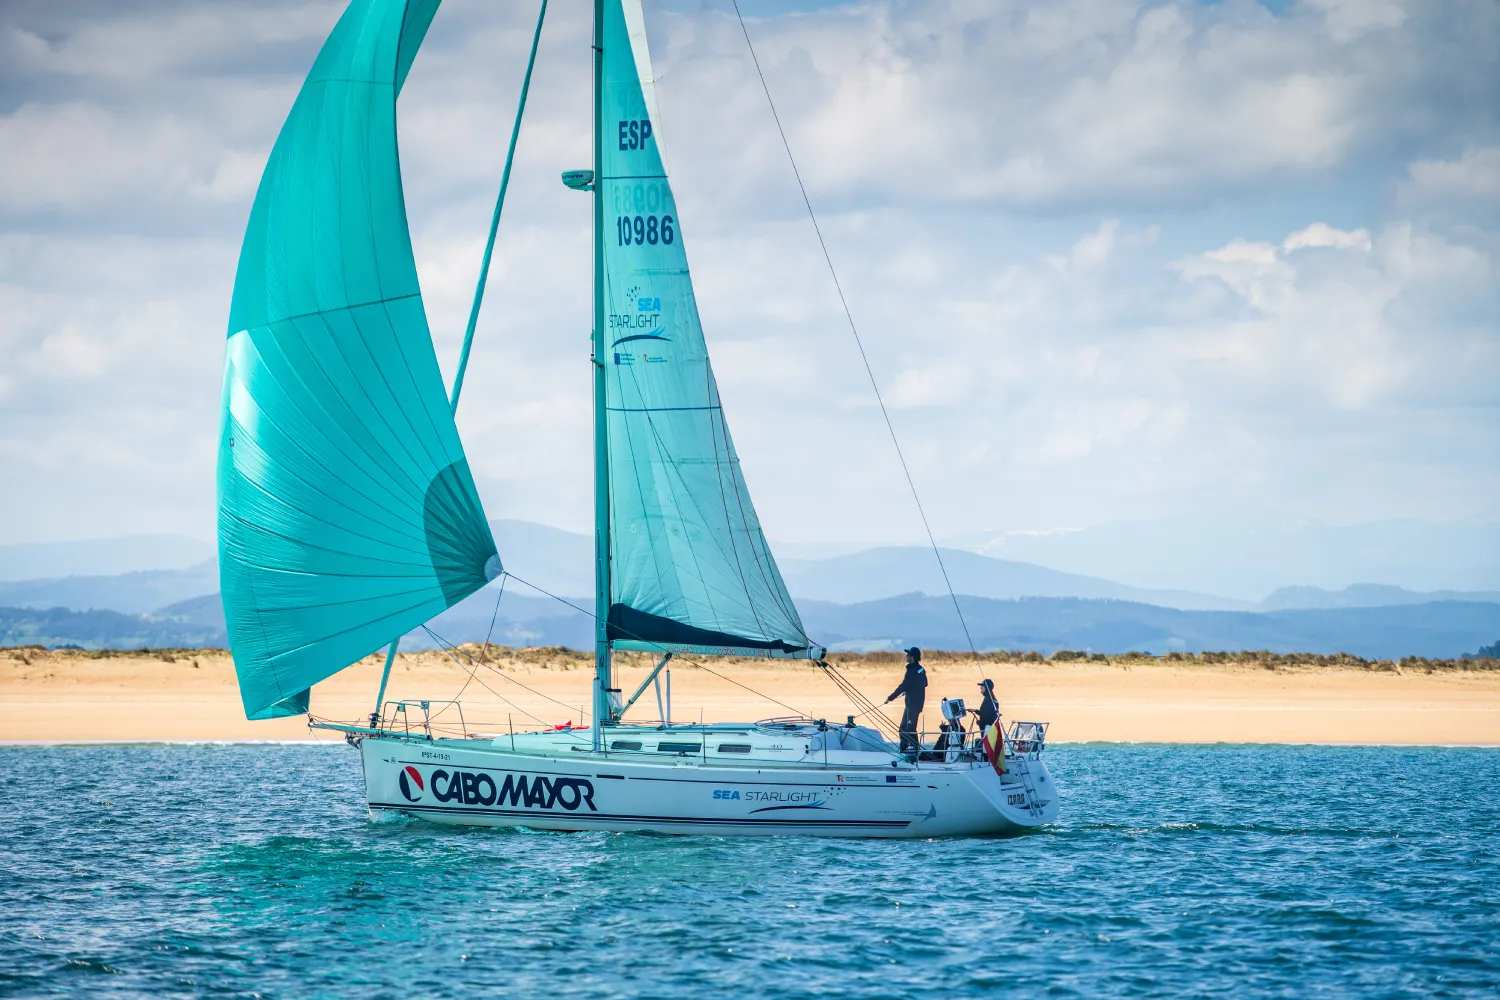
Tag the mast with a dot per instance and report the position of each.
(602, 678)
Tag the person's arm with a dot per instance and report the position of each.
(901, 688)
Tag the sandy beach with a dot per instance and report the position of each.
(67, 695)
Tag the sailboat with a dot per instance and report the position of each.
(348, 514)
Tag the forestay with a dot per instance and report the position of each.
(690, 568)
(347, 514)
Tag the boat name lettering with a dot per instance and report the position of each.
(430, 755)
(1015, 799)
(532, 791)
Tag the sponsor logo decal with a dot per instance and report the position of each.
(411, 783)
(530, 791)
(774, 801)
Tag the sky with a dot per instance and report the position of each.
(1110, 261)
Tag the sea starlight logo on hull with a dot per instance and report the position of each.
(411, 784)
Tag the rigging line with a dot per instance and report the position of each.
(746, 687)
(487, 636)
(849, 315)
(739, 497)
(451, 649)
(473, 675)
(489, 246)
(693, 663)
(854, 694)
(858, 698)
(484, 656)
(734, 550)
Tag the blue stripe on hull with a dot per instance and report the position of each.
(523, 814)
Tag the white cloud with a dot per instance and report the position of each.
(1015, 103)
(1352, 19)
(1321, 234)
(1101, 256)
(1474, 176)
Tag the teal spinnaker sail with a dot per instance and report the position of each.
(689, 565)
(347, 514)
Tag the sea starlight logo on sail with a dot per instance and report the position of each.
(647, 314)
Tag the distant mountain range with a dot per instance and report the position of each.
(886, 572)
(101, 557)
(132, 593)
(108, 629)
(1441, 629)
(872, 599)
(1365, 595)
(561, 562)
(1247, 558)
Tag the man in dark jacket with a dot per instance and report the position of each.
(914, 687)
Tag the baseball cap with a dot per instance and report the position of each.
(914, 651)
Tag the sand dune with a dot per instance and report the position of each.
(73, 695)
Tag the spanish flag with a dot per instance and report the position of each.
(994, 745)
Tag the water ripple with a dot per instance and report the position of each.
(212, 870)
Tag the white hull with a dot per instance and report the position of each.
(558, 782)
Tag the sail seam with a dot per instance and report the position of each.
(672, 467)
(658, 409)
(713, 432)
(272, 321)
(792, 617)
(398, 613)
(357, 445)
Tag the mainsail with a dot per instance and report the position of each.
(689, 565)
(347, 514)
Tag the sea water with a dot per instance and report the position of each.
(1181, 871)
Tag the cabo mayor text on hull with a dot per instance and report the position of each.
(348, 515)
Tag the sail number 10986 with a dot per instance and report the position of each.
(637, 229)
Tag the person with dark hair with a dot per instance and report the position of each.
(989, 707)
(947, 739)
(914, 687)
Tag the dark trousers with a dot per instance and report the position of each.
(910, 741)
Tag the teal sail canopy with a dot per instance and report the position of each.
(347, 513)
(689, 565)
